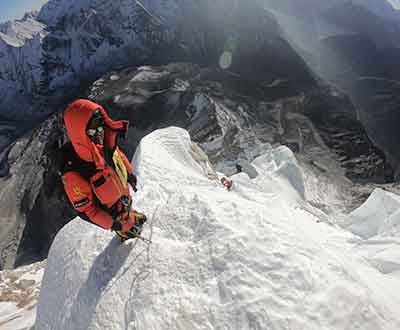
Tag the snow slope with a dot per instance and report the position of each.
(251, 258)
(19, 292)
(377, 222)
(381, 205)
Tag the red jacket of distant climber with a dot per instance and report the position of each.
(99, 195)
(227, 183)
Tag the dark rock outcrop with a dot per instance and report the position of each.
(28, 162)
(232, 125)
(73, 43)
(349, 43)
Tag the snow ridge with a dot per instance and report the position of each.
(251, 258)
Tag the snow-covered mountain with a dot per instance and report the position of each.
(20, 65)
(227, 106)
(66, 44)
(256, 257)
(229, 117)
(45, 59)
(256, 80)
(81, 40)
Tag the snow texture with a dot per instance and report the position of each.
(19, 292)
(380, 214)
(255, 257)
(377, 222)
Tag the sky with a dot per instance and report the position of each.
(13, 9)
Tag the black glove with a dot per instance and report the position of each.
(134, 231)
(132, 179)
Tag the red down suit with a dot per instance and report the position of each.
(97, 193)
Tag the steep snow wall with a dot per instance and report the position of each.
(251, 258)
(377, 223)
(381, 205)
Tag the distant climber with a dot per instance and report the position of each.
(238, 168)
(227, 183)
(96, 172)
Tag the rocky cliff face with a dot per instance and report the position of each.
(69, 44)
(29, 176)
(346, 43)
(45, 59)
(20, 66)
(231, 125)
